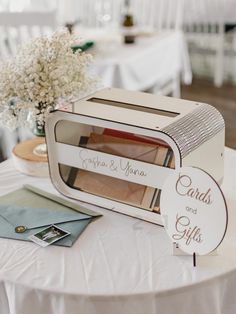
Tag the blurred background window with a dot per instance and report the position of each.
(173, 41)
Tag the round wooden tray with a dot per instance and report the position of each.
(26, 161)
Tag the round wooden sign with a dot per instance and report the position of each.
(193, 210)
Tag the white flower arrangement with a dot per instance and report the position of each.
(44, 71)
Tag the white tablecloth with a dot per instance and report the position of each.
(118, 265)
(151, 60)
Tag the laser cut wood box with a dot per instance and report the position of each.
(112, 150)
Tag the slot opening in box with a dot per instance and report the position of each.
(113, 157)
(130, 106)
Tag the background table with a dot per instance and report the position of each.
(154, 60)
(118, 265)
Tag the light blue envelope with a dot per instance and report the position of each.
(35, 209)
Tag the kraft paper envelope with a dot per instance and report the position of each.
(35, 209)
(123, 147)
(112, 187)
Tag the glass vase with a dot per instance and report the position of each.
(39, 128)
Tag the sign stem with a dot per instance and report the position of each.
(194, 259)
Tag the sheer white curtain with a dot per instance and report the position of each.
(90, 13)
(158, 14)
(101, 13)
(27, 5)
(98, 12)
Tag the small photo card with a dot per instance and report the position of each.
(48, 235)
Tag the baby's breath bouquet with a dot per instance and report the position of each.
(44, 71)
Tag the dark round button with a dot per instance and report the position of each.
(20, 229)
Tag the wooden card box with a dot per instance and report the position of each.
(112, 149)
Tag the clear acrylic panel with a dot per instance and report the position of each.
(113, 163)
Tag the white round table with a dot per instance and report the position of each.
(118, 265)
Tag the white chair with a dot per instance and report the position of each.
(8, 140)
(204, 29)
(18, 27)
